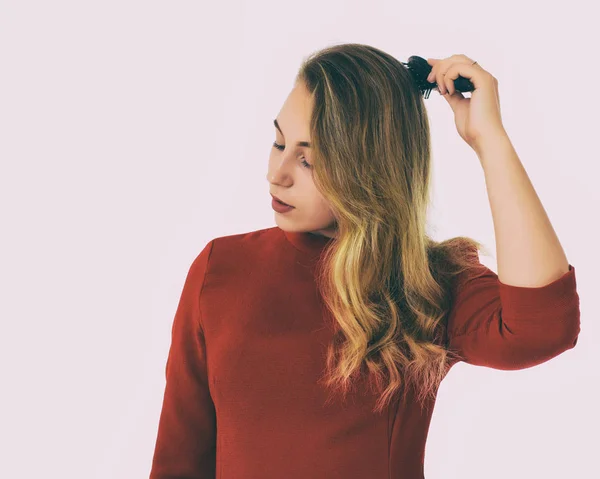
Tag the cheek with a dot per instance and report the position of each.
(322, 207)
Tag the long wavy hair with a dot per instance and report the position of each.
(385, 281)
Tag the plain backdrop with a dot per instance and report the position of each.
(133, 132)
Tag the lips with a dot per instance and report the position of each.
(277, 199)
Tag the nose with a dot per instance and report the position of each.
(278, 177)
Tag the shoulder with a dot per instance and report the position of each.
(248, 238)
(229, 251)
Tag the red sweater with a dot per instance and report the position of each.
(248, 346)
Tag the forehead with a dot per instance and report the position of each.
(294, 116)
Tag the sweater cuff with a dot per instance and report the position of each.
(549, 300)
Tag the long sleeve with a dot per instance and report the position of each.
(507, 327)
(186, 441)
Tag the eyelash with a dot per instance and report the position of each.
(281, 147)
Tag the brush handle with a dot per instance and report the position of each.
(420, 70)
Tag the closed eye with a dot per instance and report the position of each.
(282, 147)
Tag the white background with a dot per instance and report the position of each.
(133, 132)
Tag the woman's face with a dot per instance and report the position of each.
(290, 171)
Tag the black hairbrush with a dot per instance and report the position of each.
(420, 70)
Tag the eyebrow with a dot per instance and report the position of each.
(300, 143)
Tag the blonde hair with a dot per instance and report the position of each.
(386, 283)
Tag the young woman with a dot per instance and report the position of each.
(315, 349)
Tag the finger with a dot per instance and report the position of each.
(438, 64)
(440, 72)
(448, 80)
(449, 83)
(464, 70)
(434, 62)
(440, 82)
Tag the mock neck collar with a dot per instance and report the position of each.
(308, 242)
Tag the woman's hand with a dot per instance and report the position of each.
(477, 117)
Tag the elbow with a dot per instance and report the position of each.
(548, 340)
